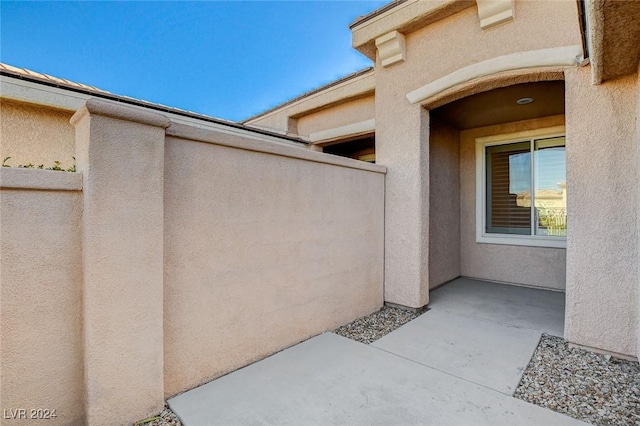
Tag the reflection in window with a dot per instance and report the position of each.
(550, 187)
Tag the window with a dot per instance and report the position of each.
(521, 189)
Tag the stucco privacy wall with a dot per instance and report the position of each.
(399, 143)
(341, 115)
(146, 273)
(120, 152)
(444, 203)
(40, 294)
(533, 266)
(35, 134)
(262, 249)
(602, 178)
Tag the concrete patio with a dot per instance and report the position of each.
(457, 364)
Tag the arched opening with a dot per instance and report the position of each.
(497, 186)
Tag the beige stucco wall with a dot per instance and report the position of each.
(118, 290)
(533, 266)
(638, 209)
(538, 25)
(402, 145)
(40, 294)
(444, 203)
(35, 134)
(602, 176)
(340, 115)
(400, 127)
(262, 251)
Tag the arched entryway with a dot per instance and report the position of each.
(497, 185)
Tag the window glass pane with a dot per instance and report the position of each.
(509, 188)
(550, 195)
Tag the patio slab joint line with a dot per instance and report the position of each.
(441, 371)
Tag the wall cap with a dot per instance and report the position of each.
(46, 180)
(182, 131)
(95, 106)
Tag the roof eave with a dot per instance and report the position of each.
(404, 16)
(327, 86)
(613, 38)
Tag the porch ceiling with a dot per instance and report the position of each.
(499, 105)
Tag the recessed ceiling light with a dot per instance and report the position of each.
(524, 101)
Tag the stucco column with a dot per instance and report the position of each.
(602, 247)
(402, 145)
(638, 209)
(120, 152)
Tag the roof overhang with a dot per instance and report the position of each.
(613, 37)
(355, 86)
(403, 16)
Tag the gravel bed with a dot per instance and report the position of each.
(165, 418)
(595, 388)
(372, 327)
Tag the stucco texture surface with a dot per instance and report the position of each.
(402, 129)
(533, 266)
(120, 152)
(602, 178)
(341, 115)
(444, 203)
(402, 145)
(40, 301)
(617, 37)
(638, 209)
(35, 134)
(537, 25)
(261, 252)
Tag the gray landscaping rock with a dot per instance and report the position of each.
(599, 389)
(372, 327)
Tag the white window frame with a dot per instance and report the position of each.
(481, 191)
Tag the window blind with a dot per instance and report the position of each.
(509, 188)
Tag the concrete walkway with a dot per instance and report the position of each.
(457, 364)
(480, 331)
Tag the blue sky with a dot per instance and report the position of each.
(226, 59)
